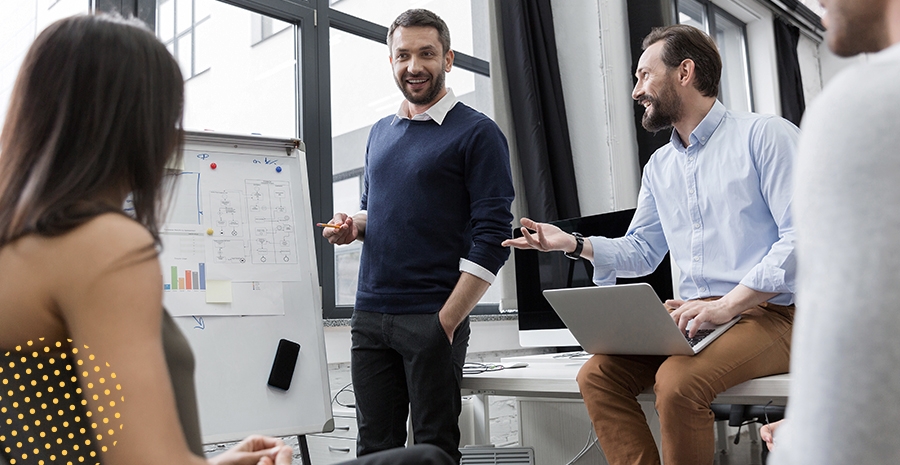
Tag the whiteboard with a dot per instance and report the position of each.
(234, 353)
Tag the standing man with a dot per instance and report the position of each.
(718, 199)
(845, 385)
(435, 209)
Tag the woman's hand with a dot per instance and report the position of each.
(255, 450)
(767, 433)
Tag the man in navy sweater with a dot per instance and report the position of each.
(435, 210)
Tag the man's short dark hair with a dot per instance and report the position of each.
(421, 18)
(683, 42)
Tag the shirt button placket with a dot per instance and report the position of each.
(696, 220)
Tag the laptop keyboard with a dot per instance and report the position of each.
(701, 334)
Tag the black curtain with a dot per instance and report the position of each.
(792, 102)
(643, 16)
(538, 110)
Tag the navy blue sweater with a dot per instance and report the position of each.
(433, 194)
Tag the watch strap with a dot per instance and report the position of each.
(579, 246)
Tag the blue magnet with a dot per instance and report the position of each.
(278, 169)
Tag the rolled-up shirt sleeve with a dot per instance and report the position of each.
(774, 150)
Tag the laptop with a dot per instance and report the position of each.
(626, 319)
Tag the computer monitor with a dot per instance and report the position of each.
(539, 326)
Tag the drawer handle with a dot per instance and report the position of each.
(339, 449)
(342, 428)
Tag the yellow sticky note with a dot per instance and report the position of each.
(218, 292)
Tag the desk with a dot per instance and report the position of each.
(550, 377)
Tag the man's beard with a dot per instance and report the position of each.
(437, 84)
(666, 109)
(857, 27)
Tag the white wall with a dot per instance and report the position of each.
(595, 61)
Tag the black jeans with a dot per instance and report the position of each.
(401, 363)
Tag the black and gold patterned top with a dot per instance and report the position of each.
(44, 416)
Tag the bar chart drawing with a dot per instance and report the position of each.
(186, 279)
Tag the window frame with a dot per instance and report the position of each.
(710, 10)
(176, 36)
(258, 29)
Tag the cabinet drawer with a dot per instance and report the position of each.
(344, 427)
(327, 450)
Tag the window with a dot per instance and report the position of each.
(467, 20)
(179, 25)
(245, 88)
(262, 27)
(20, 23)
(731, 36)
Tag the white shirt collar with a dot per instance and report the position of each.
(436, 112)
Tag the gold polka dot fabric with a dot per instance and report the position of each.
(45, 417)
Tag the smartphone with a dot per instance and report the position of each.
(283, 366)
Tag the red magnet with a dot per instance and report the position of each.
(212, 165)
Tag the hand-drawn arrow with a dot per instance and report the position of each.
(200, 323)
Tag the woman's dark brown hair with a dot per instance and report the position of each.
(95, 114)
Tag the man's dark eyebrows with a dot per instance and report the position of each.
(424, 47)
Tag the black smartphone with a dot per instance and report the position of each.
(283, 366)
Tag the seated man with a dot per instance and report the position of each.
(718, 198)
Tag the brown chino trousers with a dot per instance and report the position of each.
(685, 386)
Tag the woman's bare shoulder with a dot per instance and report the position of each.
(104, 244)
(44, 274)
(109, 236)
(102, 238)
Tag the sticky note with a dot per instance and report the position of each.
(218, 292)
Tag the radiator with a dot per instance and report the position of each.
(488, 455)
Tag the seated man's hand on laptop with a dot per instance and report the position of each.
(719, 311)
(701, 311)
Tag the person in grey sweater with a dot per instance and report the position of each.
(845, 384)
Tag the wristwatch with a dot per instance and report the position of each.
(579, 245)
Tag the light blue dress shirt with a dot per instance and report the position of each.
(721, 206)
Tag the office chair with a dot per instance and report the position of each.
(745, 415)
